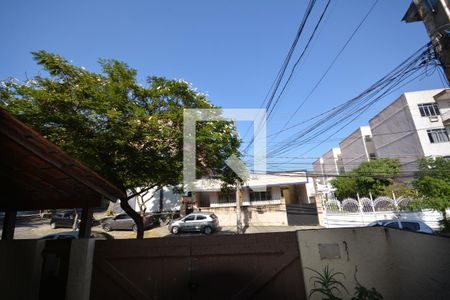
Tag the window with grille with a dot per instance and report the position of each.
(438, 135)
(261, 196)
(227, 197)
(429, 109)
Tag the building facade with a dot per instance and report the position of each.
(415, 125)
(288, 199)
(357, 148)
(326, 168)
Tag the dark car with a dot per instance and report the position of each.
(123, 222)
(71, 235)
(66, 218)
(63, 219)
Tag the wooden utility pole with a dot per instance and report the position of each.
(435, 14)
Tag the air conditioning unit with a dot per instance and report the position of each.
(434, 119)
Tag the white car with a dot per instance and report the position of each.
(409, 225)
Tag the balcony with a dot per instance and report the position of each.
(446, 118)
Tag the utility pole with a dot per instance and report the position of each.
(238, 208)
(318, 201)
(435, 14)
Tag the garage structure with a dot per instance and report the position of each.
(35, 174)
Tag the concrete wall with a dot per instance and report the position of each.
(399, 264)
(267, 215)
(354, 150)
(20, 271)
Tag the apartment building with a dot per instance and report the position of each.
(358, 147)
(327, 167)
(415, 125)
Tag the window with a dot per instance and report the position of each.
(438, 135)
(429, 109)
(393, 225)
(190, 218)
(367, 138)
(122, 217)
(201, 217)
(412, 226)
(227, 197)
(261, 196)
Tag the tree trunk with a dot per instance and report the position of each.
(135, 216)
(161, 199)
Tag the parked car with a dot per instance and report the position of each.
(71, 235)
(124, 222)
(66, 218)
(205, 222)
(409, 225)
(63, 219)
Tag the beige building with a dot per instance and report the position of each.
(287, 200)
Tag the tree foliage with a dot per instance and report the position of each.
(371, 177)
(433, 185)
(130, 134)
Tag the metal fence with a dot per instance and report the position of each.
(366, 205)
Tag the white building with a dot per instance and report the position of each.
(326, 168)
(415, 125)
(287, 200)
(358, 147)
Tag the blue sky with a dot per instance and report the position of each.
(230, 49)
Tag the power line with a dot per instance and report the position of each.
(331, 64)
(294, 67)
(360, 137)
(275, 85)
(354, 107)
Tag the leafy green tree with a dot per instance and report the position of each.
(433, 185)
(130, 134)
(345, 186)
(370, 177)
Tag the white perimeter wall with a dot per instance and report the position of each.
(399, 264)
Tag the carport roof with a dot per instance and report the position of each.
(36, 174)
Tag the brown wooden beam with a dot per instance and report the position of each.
(9, 224)
(86, 223)
(29, 139)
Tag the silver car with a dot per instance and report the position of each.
(205, 222)
(409, 225)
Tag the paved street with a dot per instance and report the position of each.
(34, 227)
